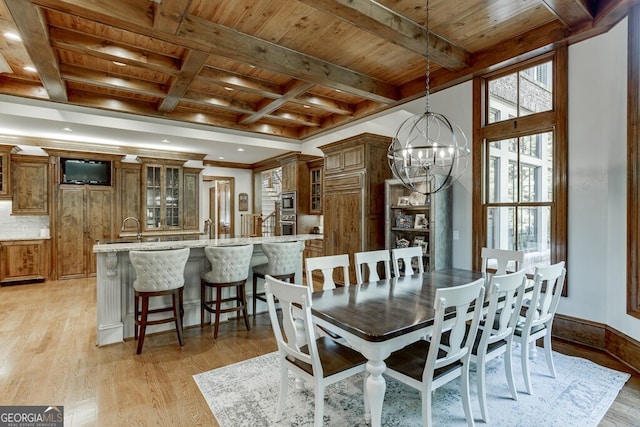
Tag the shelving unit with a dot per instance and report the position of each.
(432, 230)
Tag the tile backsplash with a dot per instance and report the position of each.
(20, 226)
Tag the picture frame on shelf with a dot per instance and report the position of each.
(402, 243)
(421, 221)
(404, 221)
(404, 201)
(417, 199)
(422, 243)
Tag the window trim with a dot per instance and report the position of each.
(633, 163)
(556, 119)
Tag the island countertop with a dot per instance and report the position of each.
(160, 243)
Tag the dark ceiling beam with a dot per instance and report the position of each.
(190, 68)
(33, 30)
(398, 29)
(168, 14)
(572, 12)
(224, 41)
(295, 89)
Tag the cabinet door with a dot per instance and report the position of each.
(30, 187)
(129, 196)
(70, 232)
(191, 200)
(5, 181)
(315, 178)
(98, 222)
(163, 188)
(290, 176)
(343, 225)
(22, 260)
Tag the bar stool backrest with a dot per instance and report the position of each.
(159, 270)
(228, 263)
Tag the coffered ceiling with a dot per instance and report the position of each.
(289, 70)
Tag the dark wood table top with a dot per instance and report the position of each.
(379, 311)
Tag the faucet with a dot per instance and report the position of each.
(124, 222)
(208, 229)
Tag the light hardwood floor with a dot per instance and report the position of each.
(48, 357)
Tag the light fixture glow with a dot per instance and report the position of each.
(119, 64)
(240, 149)
(165, 140)
(12, 36)
(29, 69)
(67, 129)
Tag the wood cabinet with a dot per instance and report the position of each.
(5, 171)
(84, 216)
(191, 199)
(315, 187)
(23, 260)
(314, 248)
(413, 219)
(129, 196)
(162, 183)
(353, 194)
(295, 177)
(30, 193)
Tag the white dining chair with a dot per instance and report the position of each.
(548, 282)
(327, 265)
(368, 262)
(499, 261)
(428, 364)
(407, 256)
(321, 361)
(495, 335)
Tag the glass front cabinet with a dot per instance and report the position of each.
(162, 201)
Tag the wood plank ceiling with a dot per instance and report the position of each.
(287, 68)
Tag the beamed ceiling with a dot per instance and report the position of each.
(286, 68)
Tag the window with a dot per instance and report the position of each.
(520, 161)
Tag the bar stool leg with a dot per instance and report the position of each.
(143, 323)
(218, 304)
(178, 315)
(243, 300)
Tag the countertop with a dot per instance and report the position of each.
(17, 239)
(160, 243)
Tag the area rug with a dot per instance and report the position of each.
(245, 395)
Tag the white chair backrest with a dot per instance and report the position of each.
(284, 257)
(544, 302)
(295, 303)
(501, 259)
(406, 255)
(327, 264)
(159, 270)
(459, 299)
(369, 261)
(228, 263)
(505, 300)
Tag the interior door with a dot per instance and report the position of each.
(98, 222)
(70, 231)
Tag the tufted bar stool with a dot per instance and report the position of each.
(158, 273)
(229, 269)
(284, 259)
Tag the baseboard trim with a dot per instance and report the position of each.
(599, 336)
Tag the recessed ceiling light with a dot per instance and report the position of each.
(165, 140)
(67, 129)
(228, 88)
(119, 64)
(220, 158)
(306, 106)
(12, 36)
(29, 68)
(240, 149)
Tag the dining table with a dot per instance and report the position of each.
(378, 318)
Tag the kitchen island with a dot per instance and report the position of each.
(115, 275)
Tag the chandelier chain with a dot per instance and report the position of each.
(427, 72)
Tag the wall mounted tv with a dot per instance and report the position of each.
(90, 172)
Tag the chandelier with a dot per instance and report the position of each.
(429, 151)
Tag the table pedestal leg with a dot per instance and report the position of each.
(375, 389)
